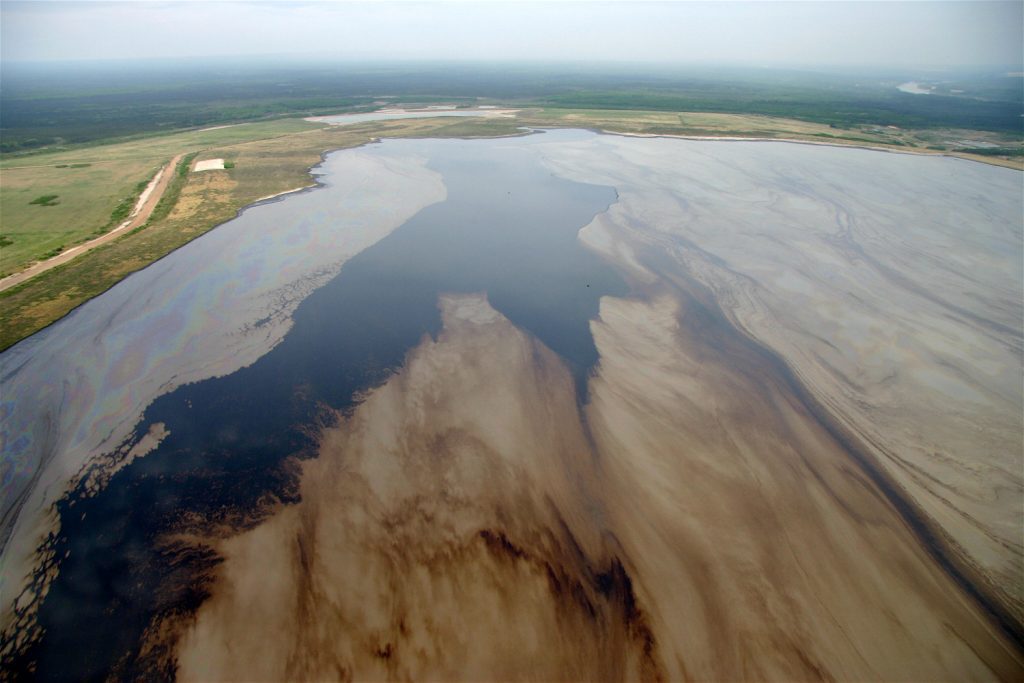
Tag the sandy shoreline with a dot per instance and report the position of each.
(281, 194)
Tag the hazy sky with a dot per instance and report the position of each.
(825, 33)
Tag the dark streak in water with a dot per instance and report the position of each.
(611, 584)
(226, 460)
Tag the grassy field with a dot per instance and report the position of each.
(92, 183)
(273, 157)
(86, 198)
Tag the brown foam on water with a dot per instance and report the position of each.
(466, 523)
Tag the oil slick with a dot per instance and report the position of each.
(73, 392)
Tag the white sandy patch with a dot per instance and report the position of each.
(915, 88)
(279, 194)
(209, 165)
(144, 197)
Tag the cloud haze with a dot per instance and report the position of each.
(808, 33)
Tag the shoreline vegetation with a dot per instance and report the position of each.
(277, 159)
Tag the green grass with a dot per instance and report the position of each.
(996, 151)
(95, 184)
(472, 128)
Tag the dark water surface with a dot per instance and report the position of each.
(507, 228)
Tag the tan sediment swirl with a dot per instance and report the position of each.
(446, 531)
(693, 522)
(890, 285)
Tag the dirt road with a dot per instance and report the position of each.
(140, 214)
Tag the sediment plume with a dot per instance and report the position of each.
(693, 521)
(446, 531)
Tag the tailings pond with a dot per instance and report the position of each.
(507, 228)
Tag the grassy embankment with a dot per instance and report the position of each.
(271, 157)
